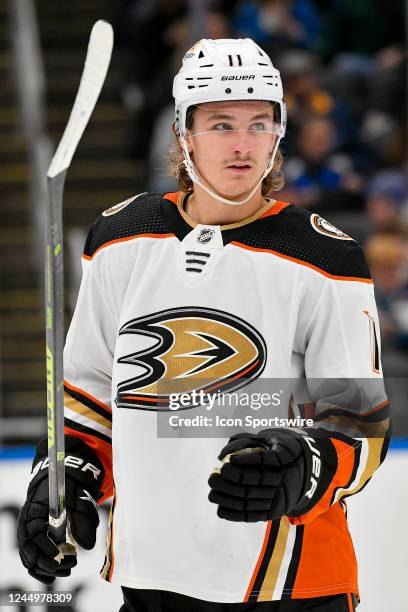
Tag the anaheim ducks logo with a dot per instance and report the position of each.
(184, 349)
(324, 227)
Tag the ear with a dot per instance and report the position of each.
(173, 127)
(189, 144)
(187, 138)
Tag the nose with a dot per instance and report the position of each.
(241, 143)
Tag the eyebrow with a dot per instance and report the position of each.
(230, 117)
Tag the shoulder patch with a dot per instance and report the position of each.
(327, 229)
(115, 209)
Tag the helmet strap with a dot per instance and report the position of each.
(194, 176)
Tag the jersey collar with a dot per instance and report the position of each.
(181, 224)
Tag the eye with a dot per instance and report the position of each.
(222, 127)
(258, 127)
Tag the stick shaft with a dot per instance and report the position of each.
(54, 312)
(92, 79)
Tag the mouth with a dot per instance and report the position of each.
(239, 168)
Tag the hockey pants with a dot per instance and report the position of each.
(145, 600)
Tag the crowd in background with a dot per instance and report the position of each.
(343, 66)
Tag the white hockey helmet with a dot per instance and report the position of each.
(226, 69)
(221, 70)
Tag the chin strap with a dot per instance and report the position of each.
(193, 174)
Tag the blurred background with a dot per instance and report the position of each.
(344, 71)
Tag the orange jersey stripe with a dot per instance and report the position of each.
(275, 209)
(328, 563)
(303, 263)
(248, 369)
(117, 240)
(172, 196)
(152, 400)
(322, 560)
(376, 409)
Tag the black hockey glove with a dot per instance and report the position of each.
(270, 474)
(83, 478)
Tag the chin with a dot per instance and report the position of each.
(238, 192)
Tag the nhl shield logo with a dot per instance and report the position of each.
(206, 234)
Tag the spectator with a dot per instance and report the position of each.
(388, 262)
(384, 138)
(387, 87)
(383, 128)
(306, 96)
(362, 28)
(316, 177)
(366, 42)
(387, 195)
(278, 23)
(150, 46)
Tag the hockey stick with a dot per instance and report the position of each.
(92, 79)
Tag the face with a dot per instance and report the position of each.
(383, 212)
(316, 140)
(230, 144)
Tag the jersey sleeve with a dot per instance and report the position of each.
(343, 389)
(88, 360)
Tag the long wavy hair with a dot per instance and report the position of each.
(274, 181)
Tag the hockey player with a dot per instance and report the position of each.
(215, 287)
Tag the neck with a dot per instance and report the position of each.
(202, 208)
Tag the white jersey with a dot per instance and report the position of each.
(281, 294)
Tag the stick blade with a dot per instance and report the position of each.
(93, 76)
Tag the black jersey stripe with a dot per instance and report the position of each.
(357, 457)
(106, 570)
(86, 430)
(376, 356)
(360, 489)
(343, 503)
(88, 403)
(375, 417)
(386, 442)
(372, 416)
